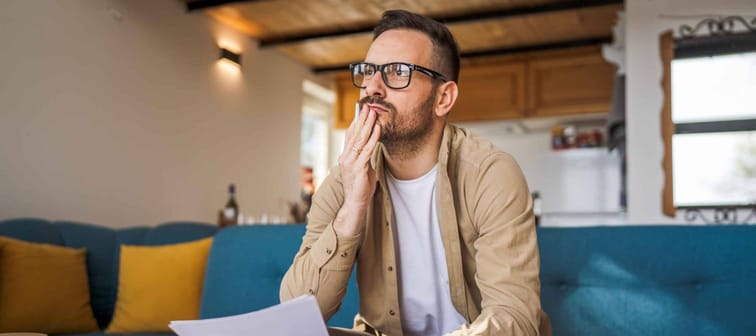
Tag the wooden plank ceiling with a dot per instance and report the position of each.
(329, 34)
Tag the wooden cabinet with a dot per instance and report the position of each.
(346, 96)
(530, 87)
(533, 87)
(490, 92)
(569, 85)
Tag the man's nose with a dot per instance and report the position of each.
(375, 86)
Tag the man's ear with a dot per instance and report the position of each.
(447, 95)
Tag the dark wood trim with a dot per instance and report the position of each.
(449, 19)
(715, 45)
(503, 51)
(320, 70)
(716, 206)
(538, 47)
(716, 126)
(667, 53)
(205, 4)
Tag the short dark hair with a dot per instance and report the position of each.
(445, 49)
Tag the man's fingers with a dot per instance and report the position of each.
(354, 131)
(366, 129)
(351, 128)
(361, 118)
(367, 151)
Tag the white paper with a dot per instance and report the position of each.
(300, 316)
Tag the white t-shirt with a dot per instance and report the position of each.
(424, 298)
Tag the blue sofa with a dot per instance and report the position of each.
(243, 274)
(629, 280)
(649, 280)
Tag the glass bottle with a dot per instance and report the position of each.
(230, 212)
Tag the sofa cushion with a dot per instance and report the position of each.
(43, 288)
(158, 284)
(103, 250)
(102, 244)
(246, 266)
(649, 280)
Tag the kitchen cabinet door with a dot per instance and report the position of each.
(490, 92)
(346, 96)
(569, 85)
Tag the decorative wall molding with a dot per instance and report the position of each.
(717, 26)
(720, 215)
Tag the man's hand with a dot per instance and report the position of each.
(357, 175)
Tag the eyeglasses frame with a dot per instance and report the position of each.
(379, 67)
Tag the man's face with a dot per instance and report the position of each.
(404, 114)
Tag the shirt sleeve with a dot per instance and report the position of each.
(324, 262)
(506, 252)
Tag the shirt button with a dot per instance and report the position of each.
(390, 268)
(310, 291)
(391, 312)
(343, 255)
(328, 251)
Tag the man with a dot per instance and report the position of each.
(439, 222)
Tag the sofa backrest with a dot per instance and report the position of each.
(245, 268)
(649, 280)
(629, 280)
(103, 249)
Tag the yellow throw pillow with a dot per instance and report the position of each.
(158, 284)
(44, 288)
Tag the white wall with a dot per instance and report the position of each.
(646, 19)
(131, 121)
(528, 148)
(576, 182)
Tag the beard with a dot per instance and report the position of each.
(404, 133)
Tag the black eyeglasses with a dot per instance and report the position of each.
(396, 75)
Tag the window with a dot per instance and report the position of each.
(317, 113)
(710, 121)
(714, 145)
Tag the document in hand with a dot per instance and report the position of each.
(300, 316)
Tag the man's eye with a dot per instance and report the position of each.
(402, 72)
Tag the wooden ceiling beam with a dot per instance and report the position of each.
(503, 51)
(205, 4)
(449, 19)
(538, 47)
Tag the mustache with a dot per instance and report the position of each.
(376, 100)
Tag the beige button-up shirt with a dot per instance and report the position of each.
(488, 232)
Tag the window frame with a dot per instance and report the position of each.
(722, 43)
